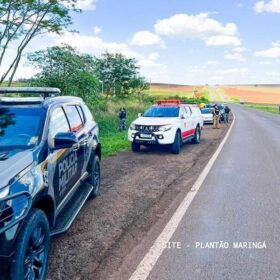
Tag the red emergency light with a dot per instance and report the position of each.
(169, 102)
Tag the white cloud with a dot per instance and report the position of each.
(146, 38)
(240, 50)
(97, 30)
(273, 74)
(276, 44)
(93, 45)
(86, 5)
(213, 62)
(273, 52)
(200, 26)
(151, 68)
(153, 56)
(235, 56)
(272, 6)
(264, 62)
(240, 5)
(223, 40)
(231, 71)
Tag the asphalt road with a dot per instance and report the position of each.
(238, 202)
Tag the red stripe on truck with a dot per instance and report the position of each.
(188, 133)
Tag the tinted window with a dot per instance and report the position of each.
(20, 127)
(58, 122)
(164, 112)
(74, 118)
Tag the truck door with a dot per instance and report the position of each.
(77, 127)
(62, 163)
(187, 123)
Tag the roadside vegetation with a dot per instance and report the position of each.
(106, 84)
(267, 108)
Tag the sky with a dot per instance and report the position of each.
(191, 42)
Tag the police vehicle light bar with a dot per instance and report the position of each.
(43, 91)
(169, 101)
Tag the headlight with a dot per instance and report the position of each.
(132, 126)
(4, 192)
(165, 127)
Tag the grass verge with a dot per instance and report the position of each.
(267, 108)
(106, 112)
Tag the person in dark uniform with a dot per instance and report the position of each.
(216, 115)
(122, 119)
(227, 111)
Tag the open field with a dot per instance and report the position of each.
(252, 94)
(166, 90)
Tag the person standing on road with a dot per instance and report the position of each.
(216, 115)
(122, 119)
(227, 111)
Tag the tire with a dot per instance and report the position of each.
(176, 146)
(196, 139)
(32, 248)
(94, 178)
(135, 147)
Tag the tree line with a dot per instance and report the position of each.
(64, 67)
(111, 74)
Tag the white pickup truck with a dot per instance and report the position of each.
(169, 122)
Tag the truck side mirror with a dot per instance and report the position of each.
(64, 140)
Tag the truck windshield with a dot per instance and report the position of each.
(162, 112)
(19, 127)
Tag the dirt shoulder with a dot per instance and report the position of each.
(139, 193)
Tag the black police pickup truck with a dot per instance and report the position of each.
(49, 166)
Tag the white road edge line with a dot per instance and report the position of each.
(150, 259)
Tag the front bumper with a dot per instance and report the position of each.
(157, 138)
(13, 210)
(5, 265)
(211, 121)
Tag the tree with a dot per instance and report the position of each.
(138, 85)
(117, 73)
(66, 69)
(22, 20)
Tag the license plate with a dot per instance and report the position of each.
(148, 136)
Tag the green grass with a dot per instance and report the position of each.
(106, 115)
(267, 108)
(206, 93)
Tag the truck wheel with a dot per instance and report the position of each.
(135, 147)
(94, 178)
(197, 134)
(32, 248)
(176, 146)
